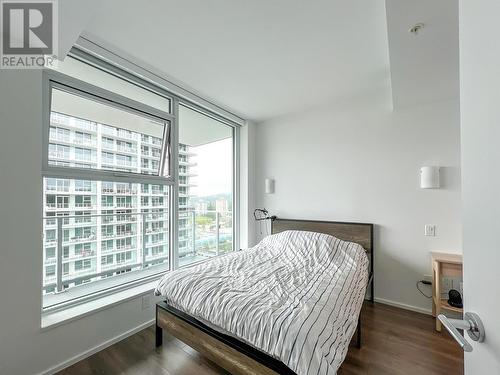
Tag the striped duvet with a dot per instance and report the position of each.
(295, 296)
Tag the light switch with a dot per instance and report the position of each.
(430, 230)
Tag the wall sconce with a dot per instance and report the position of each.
(269, 186)
(429, 177)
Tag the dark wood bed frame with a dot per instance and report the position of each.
(233, 355)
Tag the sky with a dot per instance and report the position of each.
(214, 168)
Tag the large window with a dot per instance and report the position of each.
(111, 191)
(96, 230)
(206, 167)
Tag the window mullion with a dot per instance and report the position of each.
(165, 158)
(174, 188)
(94, 175)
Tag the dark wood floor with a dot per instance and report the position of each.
(395, 341)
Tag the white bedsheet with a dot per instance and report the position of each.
(295, 296)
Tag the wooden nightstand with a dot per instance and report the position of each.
(443, 264)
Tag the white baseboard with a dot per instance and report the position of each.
(404, 306)
(96, 349)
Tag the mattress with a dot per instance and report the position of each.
(295, 296)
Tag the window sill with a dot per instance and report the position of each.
(53, 319)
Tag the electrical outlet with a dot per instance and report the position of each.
(430, 230)
(146, 302)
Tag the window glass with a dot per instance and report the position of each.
(50, 271)
(106, 184)
(93, 216)
(50, 253)
(96, 228)
(205, 186)
(100, 136)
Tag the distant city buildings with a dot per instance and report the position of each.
(202, 207)
(221, 205)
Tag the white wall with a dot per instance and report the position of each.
(360, 162)
(480, 127)
(247, 178)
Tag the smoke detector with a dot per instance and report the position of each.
(416, 28)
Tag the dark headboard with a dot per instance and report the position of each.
(361, 233)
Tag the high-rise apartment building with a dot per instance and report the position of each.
(107, 228)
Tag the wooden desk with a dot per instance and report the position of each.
(443, 264)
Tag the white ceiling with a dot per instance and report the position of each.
(73, 15)
(259, 58)
(424, 67)
(265, 58)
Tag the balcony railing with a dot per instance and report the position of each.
(84, 205)
(108, 145)
(50, 222)
(131, 150)
(125, 191)
(204, 233)
(125, 163)
(156, 217)
(85, 159)
(125, 233)
(59, 137)
(85, 142)
(124, 247)
(208, 233)
(154, 230)
(58, 155)
(59, 119)
(85, 125)
(50, 240)
(125, 218)
(125, 134)
(57, 205)
(124, 204)
(83, 190)
(158, 192)
(57, 189)
(139, 245)
(151, 140)
(81, 255)
(118, 219)
(83, 238)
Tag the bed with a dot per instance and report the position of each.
(289, 305)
